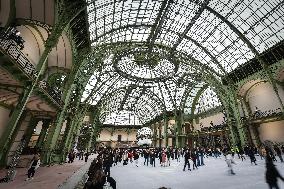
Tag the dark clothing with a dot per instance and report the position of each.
(108, 161)
(186, 156)
(136, 156)
(31, 172)
(278, 152)
(272, 174)
(186, 160)
(251, 156)
(186, 163)
(275, 185)
(152, 159)
(99, 185)
(146, 157)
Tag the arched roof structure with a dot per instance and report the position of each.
(172, 48)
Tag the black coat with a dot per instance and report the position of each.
(271, 173)
(186, 156)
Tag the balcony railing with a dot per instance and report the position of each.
(268, 113)
(214, 128)
(11, 48)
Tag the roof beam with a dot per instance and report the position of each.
(128, 92)
(192, 22)
(207, 52)
(158, 23)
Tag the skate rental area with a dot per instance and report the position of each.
(144, 94)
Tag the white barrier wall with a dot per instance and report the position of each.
(4, 117)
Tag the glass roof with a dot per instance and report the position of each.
(207, 101)
(174, 41)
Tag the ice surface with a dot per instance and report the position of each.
(213, 175)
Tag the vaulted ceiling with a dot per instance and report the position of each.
(152, 56)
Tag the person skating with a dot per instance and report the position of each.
(146, 157)
(251, 155)
(278, 152)
(152, 158)
(193, 157)
(186, 160)
(272, 174)
(136, 157)
(168, 153)
(164, 158)
(241, 154)
(230, 161)
(86, 156)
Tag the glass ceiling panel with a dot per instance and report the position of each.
(122, 118)
(261, 21)
(187, 29)
(207, 101)
(193, 92)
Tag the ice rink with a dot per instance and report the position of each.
(213, 175)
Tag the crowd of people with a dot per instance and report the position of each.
(193, 159)
(79, 154)
(99, 174)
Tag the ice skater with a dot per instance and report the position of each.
(186, 160)
(252, 156)
(230, 161)
(272, 174)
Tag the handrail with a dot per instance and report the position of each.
(11, 48)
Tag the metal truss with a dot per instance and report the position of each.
(151, 56)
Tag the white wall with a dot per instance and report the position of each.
(4, 117)
(216, 119)
(263, 97)
(273, 131)
(105, 135)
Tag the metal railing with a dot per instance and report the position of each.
(11, 48)
(267, 113)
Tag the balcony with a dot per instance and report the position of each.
(11, 48)
(264, 116)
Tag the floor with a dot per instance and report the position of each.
(45, 178)
(213, 175)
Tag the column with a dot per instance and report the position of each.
(166, 129)
(256, 139)
(91, 140)
(160, 135)
(6, 137)
(178, 129)
(235, 119)
(30, 129)
(43, 133)
(155, 134)
(56, 127)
